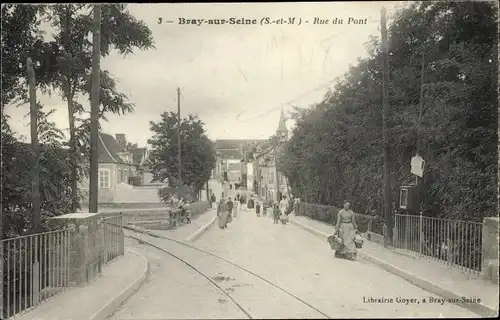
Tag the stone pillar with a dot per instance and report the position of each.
(85, 245)
(78, 255)
(490, 241)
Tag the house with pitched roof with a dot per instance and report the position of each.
(118, 161)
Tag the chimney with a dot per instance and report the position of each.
(120, 138)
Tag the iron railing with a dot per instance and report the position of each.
(39, 266)
(453, 242)
(114, 244)
(35, 268)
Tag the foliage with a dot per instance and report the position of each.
(21, 38)
(65, 63)
(335, 152)
(135, 181)
(16, 179)
(165, 195)
(197, 151)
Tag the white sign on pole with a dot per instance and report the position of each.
(417, 165)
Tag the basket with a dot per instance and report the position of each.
(358, 241)
(335, 242)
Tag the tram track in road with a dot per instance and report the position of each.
(237, 302)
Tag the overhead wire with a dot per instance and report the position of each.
(269, 111)
(322, 86)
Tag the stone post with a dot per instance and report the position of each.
(490, 239)
(84, 238)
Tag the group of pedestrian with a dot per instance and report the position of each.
(227, 210)
(279, 211)
(184, 206)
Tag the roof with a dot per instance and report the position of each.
(109, 149)
(282, 122)
(138, 155)
(230, 154)
(236, 143)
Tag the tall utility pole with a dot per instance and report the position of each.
(387, 161)
(179, 159)
(35, 183)
(419, 123)
(94, 111)
(421, 104)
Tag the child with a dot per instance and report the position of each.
(276, 213)
(257, 208)
(187, 212)
(283, 217)
(264, 209)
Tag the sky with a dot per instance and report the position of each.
(235, 78)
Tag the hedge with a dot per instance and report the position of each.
(328, 214)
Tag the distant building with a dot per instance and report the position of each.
(268, 182)
(118, 161)
(232, 157)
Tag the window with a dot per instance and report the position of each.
(120, 178)
(234, 166)
(403, 196)
(270, 177)
(104, 178)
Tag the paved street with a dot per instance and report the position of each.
(287, 256)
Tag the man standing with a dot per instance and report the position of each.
(230, 205)
(242, 203)
(213, 200)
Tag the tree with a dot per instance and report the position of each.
(21, 38)
(335, 152)
(16, 180)
(73, 51)
(197, 151)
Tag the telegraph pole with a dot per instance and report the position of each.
(94, 111)
(35, 183)
(421, 104)
(179, 159)
(387, 161)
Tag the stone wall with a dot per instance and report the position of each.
(490, 249)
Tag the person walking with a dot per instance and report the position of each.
(214, 201)
(230, 206)
(276, 213)
(296, 202)
(346, 229)
(283, 205)
(222, 213)
(264, 209)
(251, 203)
(242, 203)
(187, 212)
(284, 210)
(257, 208)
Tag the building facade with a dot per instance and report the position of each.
(117, 162)
(269, 183)
(249, 175)
(232, 157)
